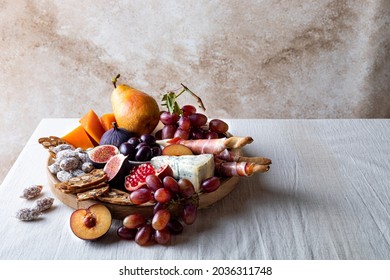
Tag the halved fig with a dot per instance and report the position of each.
(116, 169)
(100, 155)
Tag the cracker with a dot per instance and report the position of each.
(116, 196)
(93, 194)
(86, 188)
(83, 182)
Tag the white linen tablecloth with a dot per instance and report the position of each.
(326, 196)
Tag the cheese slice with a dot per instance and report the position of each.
(195, 168)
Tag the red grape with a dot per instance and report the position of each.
(168, 131)
(219, 126)
(162, 195)
(171, 184)
(189, 214)
(198, 119)
(161, 219)
(126, 233)
(141, 196)
(211, 184)
(184, 123)
(183, 134)
(144, 235)
(162, 236)
(153, 182)
(186, 188)
(134, 221)
(169, 118)
(188, 110)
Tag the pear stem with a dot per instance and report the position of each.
(114, 80)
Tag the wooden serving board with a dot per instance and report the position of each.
(121, 211)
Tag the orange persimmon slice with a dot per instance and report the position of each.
(107, 120)
(91, 124)
(79, 138)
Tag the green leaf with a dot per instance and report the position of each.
(170, 103)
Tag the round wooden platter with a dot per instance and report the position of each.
(121, 211)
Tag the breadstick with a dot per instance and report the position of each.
(210, 146)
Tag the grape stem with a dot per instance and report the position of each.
(198, 99)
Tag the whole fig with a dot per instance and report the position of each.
(116, 136)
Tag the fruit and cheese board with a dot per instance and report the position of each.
(120, 210)
(152, 169)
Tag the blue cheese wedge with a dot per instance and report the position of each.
(195, 168)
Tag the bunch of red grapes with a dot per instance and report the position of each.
(176, 203)
(190, 125)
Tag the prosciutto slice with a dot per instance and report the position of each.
(229, 169)
(210, 146)
(229, 155)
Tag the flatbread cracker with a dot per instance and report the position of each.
(116, 196)
(92, 194)
(83, 182)
(87, 188)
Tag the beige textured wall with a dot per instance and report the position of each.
(247, 59)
